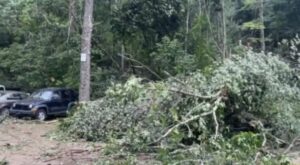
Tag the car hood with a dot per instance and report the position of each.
(6, 102)
(31, 101)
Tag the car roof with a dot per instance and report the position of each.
(6, 92)
(53, 89)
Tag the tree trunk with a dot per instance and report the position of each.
(72, 16)
(200, 7)
(85, 68)
(123, 58)
(262, 29)
(224, 29)
(187, 27)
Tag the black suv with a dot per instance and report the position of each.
(45, 102)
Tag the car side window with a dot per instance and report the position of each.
(56, 95)
(66, 95)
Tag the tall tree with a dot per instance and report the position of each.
(72, 16)
(262, 30)
(187, 21)
(85, 68)
(224, 30)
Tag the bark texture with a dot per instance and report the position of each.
(85, 68)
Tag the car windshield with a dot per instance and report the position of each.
(44, 95)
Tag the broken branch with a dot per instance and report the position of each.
(196, 94)
(216, 106)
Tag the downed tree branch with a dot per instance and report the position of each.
(191, 93)
(192, 119)
(174, 78)
(143, 65)
(188, 161)
(196, 94)
(291, 145)
(193, 110)
(215, 116)
(216, 124)
(257, 155)
(278, 140)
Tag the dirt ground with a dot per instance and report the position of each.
(27, 142)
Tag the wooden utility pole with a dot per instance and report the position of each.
(262, 29)
(85, 67)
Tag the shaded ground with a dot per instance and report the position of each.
(26, 142)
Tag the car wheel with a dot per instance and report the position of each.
(41, 115)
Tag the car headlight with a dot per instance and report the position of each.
(30, 106)
(14, 105)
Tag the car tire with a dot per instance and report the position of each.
(41, 115)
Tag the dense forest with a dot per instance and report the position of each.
(184, 81)
(40, 40)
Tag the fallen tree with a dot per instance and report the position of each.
(243, 111)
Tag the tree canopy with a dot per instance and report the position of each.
(37, 49)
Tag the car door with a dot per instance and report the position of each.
(66, 99)
(55, 104)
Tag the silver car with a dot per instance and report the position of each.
(8, 98)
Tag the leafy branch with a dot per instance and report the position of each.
(212, 112)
